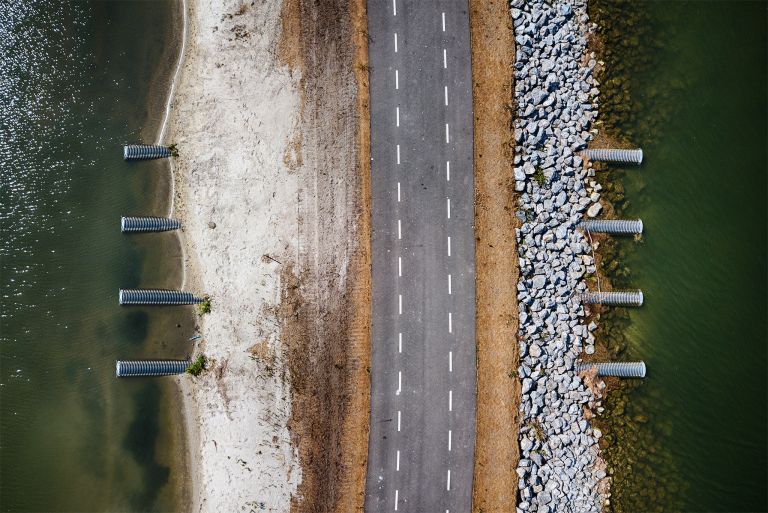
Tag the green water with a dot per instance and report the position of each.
(77, 80)
(692, 436)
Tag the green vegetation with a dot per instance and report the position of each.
(196, 367)
(205, 306)
(538, 175)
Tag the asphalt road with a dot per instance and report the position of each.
(421, 446)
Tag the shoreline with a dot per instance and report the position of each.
(228, 409)
(276, 217)
(556, 99)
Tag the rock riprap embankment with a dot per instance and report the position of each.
(560, 467)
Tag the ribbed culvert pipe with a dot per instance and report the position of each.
(616, 155)
(613, 226)
(615, 369)
(131, 368)
(157, 297)
(615, 298)
(148, 224)
(145, 152)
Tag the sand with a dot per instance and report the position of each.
(270, 186)
(234, 113)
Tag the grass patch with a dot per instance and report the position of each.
(538, 175)
(196, 367)
(205, 306)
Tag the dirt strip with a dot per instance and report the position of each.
(326, 299)
(498, 387)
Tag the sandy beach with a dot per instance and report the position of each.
(272, 218)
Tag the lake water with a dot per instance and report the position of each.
(78, 80)
(694, 431)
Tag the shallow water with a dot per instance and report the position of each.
(698, 421)
(77, 80)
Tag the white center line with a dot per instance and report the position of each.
(399, 229)
(449, 246)
(446, 95)
(443, 22)
(450, 322)
(447, 170)
(448, 206)
(445, 58)
(397, 116)
(448, 482)
(399, 382)
(449, 285)
(397, 80)
(450, 400)
(398, 153)
(400, 304)
(398, 420)
(399, 342)
(450, 361)
(399, 266)
(449, 439)
(397, 494)
(397, 463)
(394, 7)
(398, 192)
(447, 140)
(395, 42)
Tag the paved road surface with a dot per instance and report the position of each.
(422, 435)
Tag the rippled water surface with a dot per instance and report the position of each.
(77, 80)
(698, 104)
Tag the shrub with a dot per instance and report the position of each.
(196, 367)
(205, 306)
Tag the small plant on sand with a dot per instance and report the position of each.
(204, 307)
(174, 150)
(538, 175)
(196, 367)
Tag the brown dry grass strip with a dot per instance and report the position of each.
(498, 388)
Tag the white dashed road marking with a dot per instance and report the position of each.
(448, 481)
(447, 139)
(449, 440)
(398, 153)
(397, 80)
(395, 42)
(450, 400)
(446, 95)
(397, 464)
(399, 229)
(447, 170)
(449, 246)
(397, 116)
(443, 22)
(448, 206)
(449, 285)
(450, 322)
(450, 361)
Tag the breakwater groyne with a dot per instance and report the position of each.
(560, 467)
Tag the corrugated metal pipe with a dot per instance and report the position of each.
(157, 297)
(616, 298)
(148, 224)
(130, 368)
(615, 155)
(615, 369)
(145, 152)
(615, 226)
